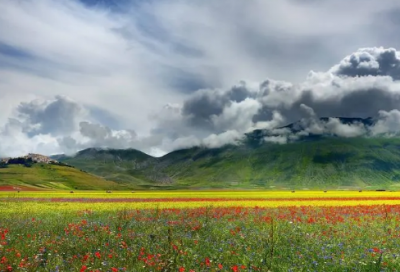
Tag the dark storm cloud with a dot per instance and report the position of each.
(55, 117)
(360, 86)
(205, 104)
(371, 62)
(357, 103)
(239, 93)
(364, 84)
(94, 131)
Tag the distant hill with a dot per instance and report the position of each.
(313, 162)
(43, 175)
(128, 167)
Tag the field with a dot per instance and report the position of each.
(47, 176)
(200, 231)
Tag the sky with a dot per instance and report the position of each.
(158, 75)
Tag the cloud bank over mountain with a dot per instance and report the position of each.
(158, 76)
(364, 84)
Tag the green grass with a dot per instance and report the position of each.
(204, 239)
(322, 163)
(46, 176)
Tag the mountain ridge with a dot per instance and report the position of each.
(314, 162)
(320, 161)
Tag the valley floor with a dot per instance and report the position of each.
(200, 231)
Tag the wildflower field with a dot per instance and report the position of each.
(200, 231)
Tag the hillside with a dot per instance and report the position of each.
(323, 162)
(49, 176)
(127, 167)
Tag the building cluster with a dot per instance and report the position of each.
(4, 160)
(37, 158)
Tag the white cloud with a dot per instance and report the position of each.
(277, 120)
(237, 116)
(218, 140)
(78, 52)
(276, 139)
(388, 123)
(125, 66)
(335, 127)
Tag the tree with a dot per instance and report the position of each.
(28, 164)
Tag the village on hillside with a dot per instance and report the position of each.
(35, 158)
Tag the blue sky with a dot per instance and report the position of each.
(138, 66)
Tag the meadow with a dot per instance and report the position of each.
(200, 231)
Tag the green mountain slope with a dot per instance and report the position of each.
(126, 167)
(313, 163)
(48, 176)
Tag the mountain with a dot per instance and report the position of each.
(35, 172)
(312, 161)
(127, 167)
(297, 126)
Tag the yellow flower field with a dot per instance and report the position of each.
(202, 194)
(39, 202)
